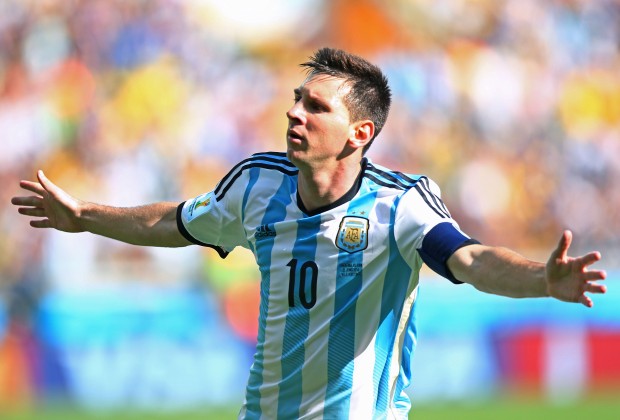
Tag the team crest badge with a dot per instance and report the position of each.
(353, 234)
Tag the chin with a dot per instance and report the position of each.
(295, 156)
(292, 154)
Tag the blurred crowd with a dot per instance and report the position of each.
(512, 106)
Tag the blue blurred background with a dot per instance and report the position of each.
(512, 106)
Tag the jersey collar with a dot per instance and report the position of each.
(345, 198)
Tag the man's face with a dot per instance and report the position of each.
(319, 122)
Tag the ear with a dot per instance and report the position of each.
(362, 133)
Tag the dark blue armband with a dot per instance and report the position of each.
(439, 244)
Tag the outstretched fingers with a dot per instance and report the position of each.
(588, 259)
(590, 278)
(46, 184)
(565, 242)
(592, 287)
(42, 187)
(41, 223)
(33, 205)
(31, 201)
(593, 275)
(32, 211)
(585, 301)
(561, 251)
(34, 187)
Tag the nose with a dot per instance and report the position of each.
(295, 113)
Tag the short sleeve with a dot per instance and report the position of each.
(214, 221)
(424, 228)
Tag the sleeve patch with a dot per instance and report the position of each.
(199, 205)
(221, 251)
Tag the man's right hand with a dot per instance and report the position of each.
(51, 205)
(148, 225)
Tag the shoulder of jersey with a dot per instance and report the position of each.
(392, 179)
(426, 188)
(271, 161)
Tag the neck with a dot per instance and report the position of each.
(320, 188)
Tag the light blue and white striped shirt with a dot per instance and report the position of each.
(338, 284)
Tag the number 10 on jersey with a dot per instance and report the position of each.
(299, 277)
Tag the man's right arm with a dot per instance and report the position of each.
(148, 225)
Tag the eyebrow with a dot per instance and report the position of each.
(298, 92)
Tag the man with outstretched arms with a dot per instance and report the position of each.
(339, 241)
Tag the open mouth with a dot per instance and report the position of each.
(294, 135)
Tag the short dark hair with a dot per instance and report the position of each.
(370, 96)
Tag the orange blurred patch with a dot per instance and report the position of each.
(72, 89)
(241, 307)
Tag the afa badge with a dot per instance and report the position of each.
(353, 234)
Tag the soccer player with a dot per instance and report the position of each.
(339, 241)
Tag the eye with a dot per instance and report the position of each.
(316, 106)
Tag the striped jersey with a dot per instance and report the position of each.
(338, 284)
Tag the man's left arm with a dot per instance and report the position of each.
(504, 272)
